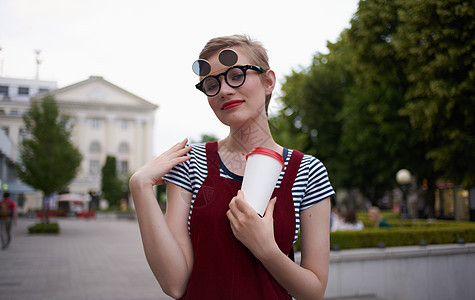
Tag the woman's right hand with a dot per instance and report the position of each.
(152, 173)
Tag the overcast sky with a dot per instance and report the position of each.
(147, 47)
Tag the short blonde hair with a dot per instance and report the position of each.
(376, 212)
(253, 48)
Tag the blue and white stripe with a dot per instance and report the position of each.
(310, 187)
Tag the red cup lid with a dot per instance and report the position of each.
(268, 152)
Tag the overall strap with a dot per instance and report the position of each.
(292, 169)
(212, 158)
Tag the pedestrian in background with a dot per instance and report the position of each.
(375, 215)
(335, 218)
(8, 215)
(349, 222)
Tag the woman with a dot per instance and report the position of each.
(212, 244)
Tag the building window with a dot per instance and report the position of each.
(124, 124)
(95, 147)
(4, 90)
(96, 123)
(122, 166)
(69, 123)
(23, 91)
(42, 90)
(94, 167)
(6, 130)
(123, 148)
(22, 135)
(14, 112)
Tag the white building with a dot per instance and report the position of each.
(15, 97)
(106, 120)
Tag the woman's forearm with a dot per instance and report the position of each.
(309, 280)
(163, 252)
(299, 282)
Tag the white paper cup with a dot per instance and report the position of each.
(262, 171)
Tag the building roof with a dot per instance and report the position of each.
(96, 91)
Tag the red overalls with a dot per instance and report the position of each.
(224, 268)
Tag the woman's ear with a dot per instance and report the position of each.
(269, 82)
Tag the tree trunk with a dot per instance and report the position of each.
(45, 210)
(430, 199)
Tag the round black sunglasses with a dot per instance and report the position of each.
(234, 77)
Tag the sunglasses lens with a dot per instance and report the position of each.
(201, 67)
(235, 77)
(210, 86)
(228, 57)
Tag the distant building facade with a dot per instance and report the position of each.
(105, 120)
(15, 95)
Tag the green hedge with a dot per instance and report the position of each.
(393, 237)
(403, 233)
(50, 228)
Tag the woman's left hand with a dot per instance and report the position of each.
(256, 233)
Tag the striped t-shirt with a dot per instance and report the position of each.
(310, 186)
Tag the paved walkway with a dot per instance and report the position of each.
(90, 259)
(100, 259)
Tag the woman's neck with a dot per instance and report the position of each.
(234, 148)
(248, 136)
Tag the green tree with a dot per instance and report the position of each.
(405, 98)
(206, 137)
(374, 134)
(48, 159)
(436, 40)
(111, 184)
(313, 99)
(286, 126)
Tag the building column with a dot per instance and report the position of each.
(80, 140)
(149, 138)
(139, 144)
(109, 135)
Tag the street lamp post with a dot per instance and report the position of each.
(403, 178)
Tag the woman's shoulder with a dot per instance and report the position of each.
(308, 161)
(198, 158)
(198, 146)
(198, 150)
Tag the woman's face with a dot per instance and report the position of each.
(235, 106)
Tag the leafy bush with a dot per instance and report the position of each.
(50, 228)
(403, 233)
(401, 236)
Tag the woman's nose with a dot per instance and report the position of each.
(225, 88)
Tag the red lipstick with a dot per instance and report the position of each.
(230, 104)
